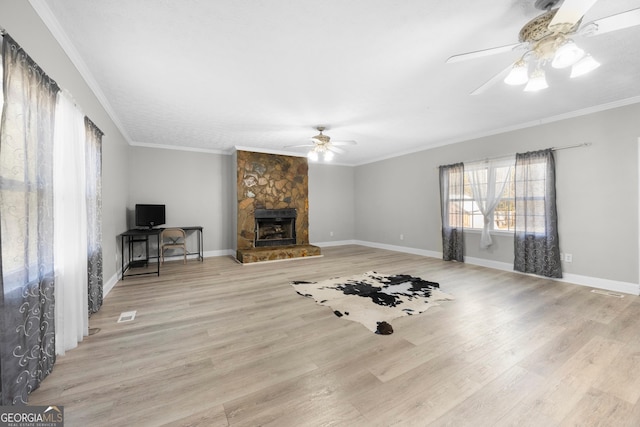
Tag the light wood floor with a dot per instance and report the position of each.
(222, 344)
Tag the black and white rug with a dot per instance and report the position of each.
(371, 298)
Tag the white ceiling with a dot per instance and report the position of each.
(261, 74)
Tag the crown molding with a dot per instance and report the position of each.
(179, 148)
(498, 131)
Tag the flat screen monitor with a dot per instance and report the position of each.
(149, 216)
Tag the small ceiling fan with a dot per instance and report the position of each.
(321, 144)
(548, 38)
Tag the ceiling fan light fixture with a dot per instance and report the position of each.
(567, 54)
(537, 81)
(518, 75)
(312, 155)
(328, 156)
(584, 66)
(322, 147)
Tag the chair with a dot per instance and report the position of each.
(173, 238)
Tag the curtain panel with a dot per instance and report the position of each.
(94, 214)
(536, 243)
(70, 225)
(488, 180)
(27, 330)
(452, 211)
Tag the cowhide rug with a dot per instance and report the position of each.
(372, 298)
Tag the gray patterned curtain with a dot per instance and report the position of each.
(27, 343)
(94, 214)
(452, 211)
(536, 242)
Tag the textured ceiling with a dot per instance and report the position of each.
(261, 74)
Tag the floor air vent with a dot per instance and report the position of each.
(127, 316)
(607, 293)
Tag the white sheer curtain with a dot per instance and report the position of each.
(487, 180)
(70, 226)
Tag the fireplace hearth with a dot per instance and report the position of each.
(275, 227)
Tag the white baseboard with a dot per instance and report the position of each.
(221, 252)
(413, 251)
(335, 243)
(109, 284)
(496, 265)
(576, 279)
(595, 282)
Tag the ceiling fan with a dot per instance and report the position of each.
(548, 38)
(321, 144)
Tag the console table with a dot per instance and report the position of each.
(142, 235)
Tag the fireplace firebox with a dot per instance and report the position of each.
(275, 227)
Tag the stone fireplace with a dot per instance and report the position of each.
(275, 227)
(273, 207)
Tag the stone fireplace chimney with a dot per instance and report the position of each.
(273, 207)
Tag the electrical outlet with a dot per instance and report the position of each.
(402, 237)
(331, 233)
(561, 256)
(568, 257)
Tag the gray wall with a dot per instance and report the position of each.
(331, 203)
(597, 191)
(26, 27)
(395, 202)
(194, 186)
(199, 189)
(379, 202)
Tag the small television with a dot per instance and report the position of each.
(149, 216)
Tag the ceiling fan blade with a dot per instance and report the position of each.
(618, 21)
(348, 142)
(336, 149)
(299, 145)
(481, 53)
(493, 80)
(571, 12)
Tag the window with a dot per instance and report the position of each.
(504, 213)
(533, 197)
(19, 189)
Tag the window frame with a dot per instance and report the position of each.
(501, 163)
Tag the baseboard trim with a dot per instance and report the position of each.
(336, 243)
(221, 252)
(413, 251)
(576, 279)
(606, 284)
(111, 283)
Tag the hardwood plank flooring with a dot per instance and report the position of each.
(216, 343)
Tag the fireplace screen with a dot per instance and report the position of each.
(275, 227)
